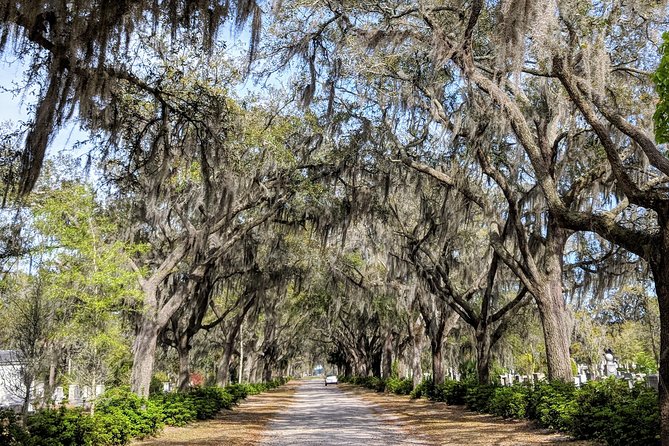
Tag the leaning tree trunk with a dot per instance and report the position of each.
(144, 352)
(660, 267)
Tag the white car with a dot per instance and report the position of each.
(331, 379)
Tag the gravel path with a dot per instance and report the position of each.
(321, 415)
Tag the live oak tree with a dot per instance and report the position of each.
(77, 53)
(574, 53)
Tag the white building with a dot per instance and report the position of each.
(11, 385)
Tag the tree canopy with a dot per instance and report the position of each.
(462, 189)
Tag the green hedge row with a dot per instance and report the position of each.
(606, 410)
(121, 416)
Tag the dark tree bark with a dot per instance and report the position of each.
(437, 353)
(183, 350)
(387, 356)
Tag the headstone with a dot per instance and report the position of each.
(38, 390)
(99, 390)
(86, 393)
(74, 395)
(167, 387)
(653, 381)
(58, 395)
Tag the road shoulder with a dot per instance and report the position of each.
(446, 425)
(244, 425)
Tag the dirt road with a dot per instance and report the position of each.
(321, 415)
(308, 413)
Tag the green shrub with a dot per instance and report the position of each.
(453, 392)
(422, 389)
(143, 418)
(478, 397)
(256, 388)
(208, 401)
(61, 427)
(112, 429)
(238, 392)
(509, 402)
(609, 411)
(177, 408)
(376, 383)
(552, 404)
(11, 432)
(399, 386)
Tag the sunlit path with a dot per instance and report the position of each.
(322, 415)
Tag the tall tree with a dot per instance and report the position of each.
(79, 52)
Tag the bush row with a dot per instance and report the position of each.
(606, 410)
(120, 416)
(391, 385)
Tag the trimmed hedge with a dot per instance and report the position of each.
(606, 410)
(121, 416)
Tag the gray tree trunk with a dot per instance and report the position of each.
(223, 375)
(183, 349)
(144, 352)
(555, 316)
(437, 362)
(483, 346)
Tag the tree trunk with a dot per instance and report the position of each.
(553, 312)
(267, 371)
(144, 352)
(348, 370)
(556, 326)
(27, 396)
(416, 353)
(183, 349)
(376, 363)
(387, 356)
(224, 366)
(660, 268)
(483, 345)
(437, 362)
